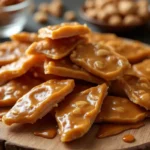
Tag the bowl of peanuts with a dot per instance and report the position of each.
(116, 15)
(13, 16)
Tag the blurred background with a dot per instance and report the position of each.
(79, 11)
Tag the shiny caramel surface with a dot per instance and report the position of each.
(100, 60)
(137, 89)
(14, 89)
(25, 37)
(11, 51)
(63, 30)
(66, 68)
(107, 130)
(18, 68)
(54, 49)
(38, 101)
(128, 138)
(143, 69)
(134, 51)
(120, 110)
(77, 113)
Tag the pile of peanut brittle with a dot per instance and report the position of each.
(78, 76)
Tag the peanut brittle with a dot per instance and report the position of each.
(11, 51)
(25, 37)
(137, 89)
(134, 51)
(120, 110)
(18, 68)
(100, 60)
(38, 101)
(3, 111)
(66, 68)
(14, 89)
(143, 69)
(63, 30)
(78, 111)
(54, 49)
(106, 130)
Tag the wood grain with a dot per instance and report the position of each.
(21, 136)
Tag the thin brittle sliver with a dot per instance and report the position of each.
(118, 110)
(54, 49)
(77, 113)
(63, 30)
(66, 68)
(100, 60)
(14, 89)
(38, 101)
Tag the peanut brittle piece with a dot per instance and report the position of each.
(134, 51)
(106, 130)
(38, 101)
(3, 111)
(78, 111)
(25, 37)
(137, 89)
(66, 68)
(120, 110)
(95, 37)
(18, 68)
(100, 60)
(143, 69)
(54, 49)
(63, 30)
(11, 51)
(14, 89)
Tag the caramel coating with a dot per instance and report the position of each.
(66, 68)
(38, 101)
(100, 60)
(118, 110)
(63, 30)
(76, 115)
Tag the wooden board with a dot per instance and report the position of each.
(21, 136)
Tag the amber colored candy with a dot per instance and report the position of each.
(143, 69)
(129, 138)
(106, 130)
(100, 60)
(54, 49)
(63, 30)
(38, 101)
(78, 111)
(120, 110)
(66, 68)
(3, 111)
(14, 89)
(137, 89)
(25, 37)
(134, 51)
(18, 68)
(95, 37)
(11, 51)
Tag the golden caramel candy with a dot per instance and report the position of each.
(18, 68)
(25, 37)
(143, 69)
(137, 89)
(38, 101)
(14, 89)
(77, 113)
(3, 111)
(106, 130)
(134, 51)
(120, 110)
(54, 49)
(11, 51)
(95, 37)
(63, 30)
(100, 60)
(66, 68)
